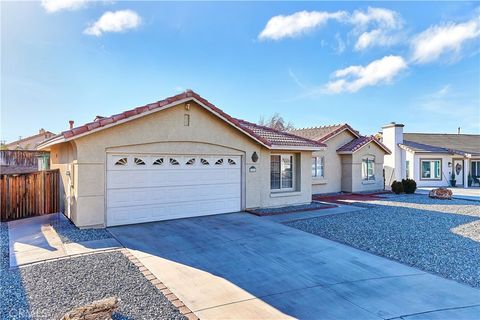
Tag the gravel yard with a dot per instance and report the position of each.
(69, 233)
(438, 236)
(49, 289)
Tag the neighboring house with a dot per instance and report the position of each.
(179, 157)
(350, 163)
(29, 143)
(430, 158)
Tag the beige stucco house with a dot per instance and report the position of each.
(350, 163)
(179, 157)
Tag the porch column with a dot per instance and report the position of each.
(466, 170)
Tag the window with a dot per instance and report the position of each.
(204, 162)
(158, 162)
(368, 168)
(190, 162)
(281, 172)
(219, 162)
(407, 169)
(186, 120)
(121, 162)
(231, 162)
(174, 162)
(139, 162)
(431, 169)
(318, 164)
(475, 168)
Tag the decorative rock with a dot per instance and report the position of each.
(97, 310)
(441, 193)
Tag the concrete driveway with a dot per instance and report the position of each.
(239, 266)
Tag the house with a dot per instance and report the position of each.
(350, 163)
(29, 143)
(430, 158)
(178, 157)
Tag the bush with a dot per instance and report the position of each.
(397, 187)
(409, 185)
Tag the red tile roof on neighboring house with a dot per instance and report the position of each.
(279, 138)
(324, 133)
(266, 136)
(356, 144)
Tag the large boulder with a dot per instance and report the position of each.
(440, 193)
(97, 310)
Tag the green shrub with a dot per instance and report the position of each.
(397, 187)
(409, 185)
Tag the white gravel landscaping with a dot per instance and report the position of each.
(48, 290)
(438, 236)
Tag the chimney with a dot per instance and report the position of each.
(394, 164)
(41, 131)
(71, 122)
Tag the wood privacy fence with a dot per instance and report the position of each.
(23, 158)
(29, 195)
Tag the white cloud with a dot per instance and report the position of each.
(375, 38)
(376, 16)
(340, 44)
(354, 78)
(385, 24)
(52, 6)
(297, 24)
(439, 40)
(117, 21)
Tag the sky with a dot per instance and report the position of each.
(316, 63)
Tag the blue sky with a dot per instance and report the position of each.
(364, 63)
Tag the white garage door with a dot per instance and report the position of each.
(143, 188)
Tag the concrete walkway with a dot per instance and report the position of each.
(239, 266)
(33, 240)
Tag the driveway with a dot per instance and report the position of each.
(239, 266)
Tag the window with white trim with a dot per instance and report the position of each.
(281, 172)
(431, 169)
(318, 164)
(475, 168)
(368, 168)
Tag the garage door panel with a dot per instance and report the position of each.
(147, 213)
(128, 197)
(141, 188)
(147, 178)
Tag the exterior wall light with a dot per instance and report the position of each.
(252, 169)
(254, 156)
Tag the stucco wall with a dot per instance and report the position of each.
(164, 132)
(63, 157)
(358, 184)
(332, 182)
(446, 171)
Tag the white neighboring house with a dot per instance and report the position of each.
(430, 158)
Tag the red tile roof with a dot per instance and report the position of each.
(279, 138)
(266, 136)
(356, 144)
(323, 133)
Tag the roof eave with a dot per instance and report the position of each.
(50, 142)
(297, 148)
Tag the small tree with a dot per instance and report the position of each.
(277, 122)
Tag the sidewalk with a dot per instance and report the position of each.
(34, 240)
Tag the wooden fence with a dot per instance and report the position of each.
(29, 195)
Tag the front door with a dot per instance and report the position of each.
(458, 169)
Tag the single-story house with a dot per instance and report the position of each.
(350, 163)
(178, 157)
(430, 158)
(30, 142)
